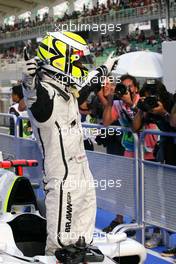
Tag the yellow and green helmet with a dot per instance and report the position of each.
(66, 54)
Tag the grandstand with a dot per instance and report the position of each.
(24, 20)
(138, 25)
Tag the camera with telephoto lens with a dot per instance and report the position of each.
(120, 90)
(148, 103)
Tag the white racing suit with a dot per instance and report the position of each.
(70, 193)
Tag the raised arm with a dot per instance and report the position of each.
(96, 79)
(36, 96)
(137, 121)
(110, 114)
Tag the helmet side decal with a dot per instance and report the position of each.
(47, 48)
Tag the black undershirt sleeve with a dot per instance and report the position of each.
(94, 85)
(42, 108)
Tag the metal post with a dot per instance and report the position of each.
(137, 194)
(141, 168)
(142, 178)
(136, 156)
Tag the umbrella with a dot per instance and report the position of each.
(140, 64)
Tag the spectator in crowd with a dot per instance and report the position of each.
(158, 112)
(164, 114)
(92, 112)
(19, 109)
(173, 116)
(155, 106)
(111, 142)
(124, 110)
(171, 252)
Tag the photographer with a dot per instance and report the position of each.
(155, 106)
(120, 104)
(17, 109)
(91, 112)
(173, 116)
(111, 142)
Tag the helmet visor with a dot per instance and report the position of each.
(79, 58)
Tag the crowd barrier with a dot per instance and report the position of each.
(158, 189)
(16, 147)
(132, 186)
(106, 168)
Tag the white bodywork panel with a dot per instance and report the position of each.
(114, 245)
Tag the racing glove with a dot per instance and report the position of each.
(30, 72)
(31, 66)
(110, 62)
